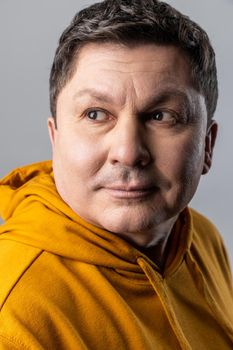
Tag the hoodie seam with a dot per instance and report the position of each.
(160, 288)
(19, 278)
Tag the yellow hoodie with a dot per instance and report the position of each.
(66, 284)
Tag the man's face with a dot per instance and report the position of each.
(131, 139)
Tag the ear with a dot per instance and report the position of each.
(209, 145)
(52, 129)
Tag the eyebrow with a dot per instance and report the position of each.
(168, 94)
(165, 95)
(94, 93)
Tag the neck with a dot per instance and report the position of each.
(153, 242)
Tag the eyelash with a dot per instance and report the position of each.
(95, 110)
(178, 118)
(150, 116)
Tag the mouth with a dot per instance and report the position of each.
(135, 192)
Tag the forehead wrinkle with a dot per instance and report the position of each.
(167, 95)
(94, 93)
(117, 94)
(137, 68)
(100, 96)
(130, 99)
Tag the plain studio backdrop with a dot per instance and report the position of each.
(29, 32)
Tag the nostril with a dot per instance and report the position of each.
(131, 155)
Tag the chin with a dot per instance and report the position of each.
(128, 220)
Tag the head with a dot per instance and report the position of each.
(133, 91)
(131, 23)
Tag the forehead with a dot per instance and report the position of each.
(141, 59)
(128, 54)
(133, 73)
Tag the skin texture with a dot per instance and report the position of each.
(132, 141)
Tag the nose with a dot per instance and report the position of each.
(128, 144)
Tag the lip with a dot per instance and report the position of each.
(127, 192)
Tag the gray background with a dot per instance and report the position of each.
(29, 31)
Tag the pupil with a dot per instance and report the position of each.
(93, 115)
(158, 116)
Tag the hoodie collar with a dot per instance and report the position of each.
(36, 215)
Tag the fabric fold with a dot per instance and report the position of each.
(63, 276)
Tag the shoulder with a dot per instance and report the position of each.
(15, 261)
(208, 247)
(205, 233)
(204, 230)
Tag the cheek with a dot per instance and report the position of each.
(182, 157)
(81, 155)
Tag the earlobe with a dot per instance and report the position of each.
(209, 146)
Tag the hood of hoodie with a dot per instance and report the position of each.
(35, 214)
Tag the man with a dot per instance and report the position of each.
(99, 249)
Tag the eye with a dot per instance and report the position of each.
(98, 115)
(166, 117)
